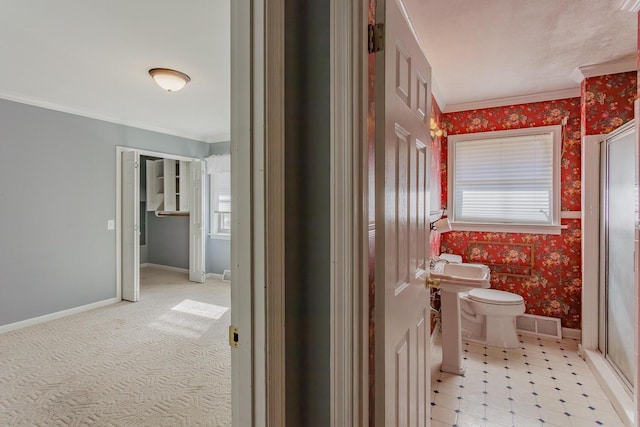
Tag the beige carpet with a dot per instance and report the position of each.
(164, 361)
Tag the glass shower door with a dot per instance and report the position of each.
(617, 294)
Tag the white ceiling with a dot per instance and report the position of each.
(91, 57)
(487, 49)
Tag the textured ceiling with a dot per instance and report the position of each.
(91, 57)
(486, 49)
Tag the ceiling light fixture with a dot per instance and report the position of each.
(169, 80)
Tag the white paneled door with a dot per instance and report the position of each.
(130, 228)
(196, 218)
(403, 106)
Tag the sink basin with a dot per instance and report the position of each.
(455, 278)
(461, 277)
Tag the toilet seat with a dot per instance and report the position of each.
(495, 297)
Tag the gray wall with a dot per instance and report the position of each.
(168, 240)
(218, 250)
(307, 227)
(57, 191)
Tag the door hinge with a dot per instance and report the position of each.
(234, 337)
(376, 37)
(136, 165)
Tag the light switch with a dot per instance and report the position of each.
(111, 224)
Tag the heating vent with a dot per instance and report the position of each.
(226, 276)
(539, 325)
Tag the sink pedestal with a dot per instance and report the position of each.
(453, 279)
(451, 333)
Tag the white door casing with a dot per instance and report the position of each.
(127, 218)
(402, 324)
(196, 218)
(130, 228)
(248, 376)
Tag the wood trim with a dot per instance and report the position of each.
(347, 139)
(165, 267)
(118, 230)
(247, 252)
(274, 167)
(632, 6)
(57, 315)
(118, 227)
(619, 65)
(65, 109)
(513, 100)
(590, 225)
(570, 214)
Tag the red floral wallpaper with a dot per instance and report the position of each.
(607, 101)
(527, 115)
(554, 286)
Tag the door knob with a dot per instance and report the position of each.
(432, 283)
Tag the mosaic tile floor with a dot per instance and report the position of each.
(544, 384)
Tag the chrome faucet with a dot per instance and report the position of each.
(435, 260)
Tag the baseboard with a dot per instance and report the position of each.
(57, 315)
(612, 386)
(575, 334)
(213, 276)
(164, 267)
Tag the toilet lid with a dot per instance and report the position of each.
(494, 296)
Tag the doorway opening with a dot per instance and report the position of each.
(174, 191)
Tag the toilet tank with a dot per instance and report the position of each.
(451, 258)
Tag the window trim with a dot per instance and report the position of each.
(553, 228)
(214, 217)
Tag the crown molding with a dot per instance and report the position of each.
(630, 6)
(615, 66)
(514, 100)
(63, 109)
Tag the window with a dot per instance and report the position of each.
(220, 197)
(506, 180)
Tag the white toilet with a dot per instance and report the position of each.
(488, 316)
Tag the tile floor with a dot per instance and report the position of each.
(544, 383)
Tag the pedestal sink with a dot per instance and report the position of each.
(455, 278)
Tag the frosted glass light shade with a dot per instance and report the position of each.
(169, 80)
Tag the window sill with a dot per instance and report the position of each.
(508, 228)
(218, 236)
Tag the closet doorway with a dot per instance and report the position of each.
(175, 188)
(619, 211)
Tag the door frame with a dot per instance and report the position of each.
(141, 152)
(349, 285)
(591, 208)
(258, 159)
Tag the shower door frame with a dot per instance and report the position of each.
(615, 390)
(603, 280)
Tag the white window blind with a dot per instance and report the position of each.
(505, 180)
(221, 186)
